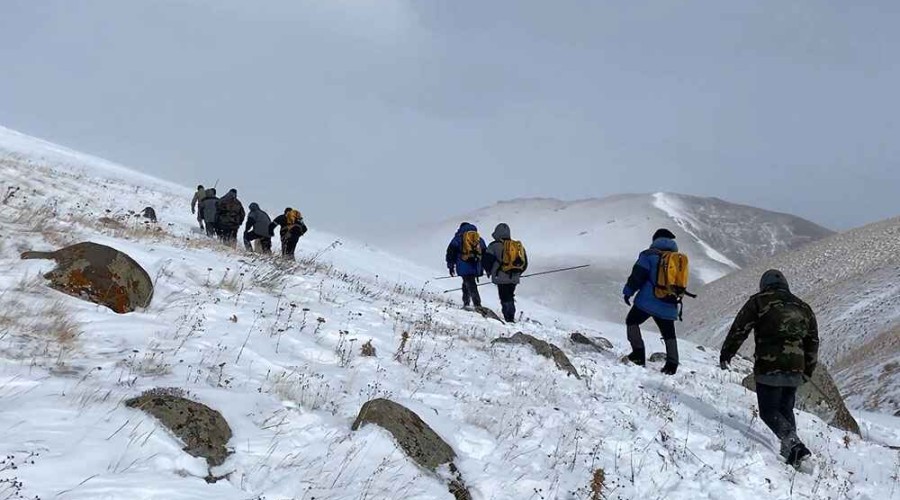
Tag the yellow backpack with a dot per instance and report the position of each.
(672, 277)
(292, 217)
(514, 258)
(470, 250)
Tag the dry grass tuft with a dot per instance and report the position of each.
(43, 334)
(598, 483)
(401, 349)
(368, 349)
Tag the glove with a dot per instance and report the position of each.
(193, 211)
(627, 300)
(452, 273)
(723, 364)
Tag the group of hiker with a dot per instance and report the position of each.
(503, 261)
(222, 218)
(786, 332)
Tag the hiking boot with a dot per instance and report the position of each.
(788, 444)
(638, 357)
(797, 453)
(669, 368)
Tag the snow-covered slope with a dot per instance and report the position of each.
(276, 349)
(852, 281)
(608, 233)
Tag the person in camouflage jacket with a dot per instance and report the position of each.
(787, 345)
(229, 217)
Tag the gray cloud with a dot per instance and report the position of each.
(368, 114)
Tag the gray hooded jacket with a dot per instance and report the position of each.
(495, 250)
(258, 222)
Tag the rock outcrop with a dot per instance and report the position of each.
(543, 348)
(598, 344)
(419, 441)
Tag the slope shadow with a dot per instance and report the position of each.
(712, 413)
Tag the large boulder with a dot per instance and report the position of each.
(99, 274)
(204, 431)
(821, 397)
(543, 348)
(419, 441)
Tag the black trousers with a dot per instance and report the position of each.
(633, 322)
(289, 244)
(265, 242)
(507, 294)
(470, 291)
(211, 229)
(776, 409)
(637, 317)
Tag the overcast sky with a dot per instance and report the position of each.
(368, 114)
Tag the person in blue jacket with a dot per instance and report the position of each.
(469, 269)
(646, 305)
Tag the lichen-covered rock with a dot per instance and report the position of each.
(599, 344)
(204, 431)
(543, 348)
(657, 357)
(821, 397)
(99, 274)
(488, 313)
(419, 441)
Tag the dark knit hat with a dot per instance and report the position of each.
(773, 278)
(663, 233)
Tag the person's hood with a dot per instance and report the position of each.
(465, 227)
(254, 207)
(229, 195)
(665, 244)
(502, 232)
(773, 279)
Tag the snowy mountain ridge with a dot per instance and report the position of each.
(276, 350)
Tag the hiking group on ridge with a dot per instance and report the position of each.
(222, 218)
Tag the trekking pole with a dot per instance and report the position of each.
(555, 271)
(216, 184)
(443, 278)
(529, 276)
